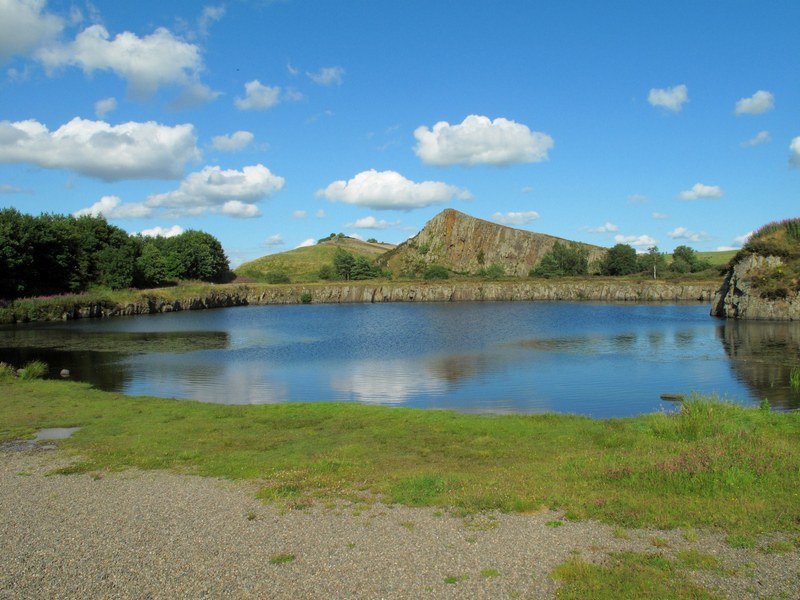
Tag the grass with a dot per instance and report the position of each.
(489, 573)
(794, 378)
(451, 579)
(628, 575)
(743, 542)
(713, 465)
(281, 559)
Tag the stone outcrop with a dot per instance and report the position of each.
(244, 295)
(737, 298)
(465, 244)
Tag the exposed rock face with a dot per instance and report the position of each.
(737, 299)
(243, 295)
(465, 244)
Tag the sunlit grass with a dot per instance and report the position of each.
(711, 465)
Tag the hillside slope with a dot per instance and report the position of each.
(465, 244)
(303, 264)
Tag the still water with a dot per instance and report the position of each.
(497, 357)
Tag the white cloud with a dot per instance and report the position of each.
(258, 96)
(605, 228)
(230, 192)
(112, 207)
(293, 71)
(700, 190)
(274, 240)
(232, 143)
(681, 233)
(104, 106)
(24, 26)
(299, 214)
(527, 189)
(660, 216)
(670, 98)
(389, 190)
(741, 240)
(762, 137)
(641, 242)
(327, 76)
(147, 63)
(725, 248)
(794, 148)
(637, 199)
(371, 222)
(758, 103)
(306, 243)
(163, 231)
(515, 218)
(356, 236)
(10, 189)
(97, 149)
(320, 214)
(479, 140)
(209, 16)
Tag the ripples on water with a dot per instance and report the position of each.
(595, 359)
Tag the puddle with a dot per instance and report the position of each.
(43, 440)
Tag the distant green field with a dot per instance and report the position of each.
(303, 264)
(720, 258)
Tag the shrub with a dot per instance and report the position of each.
(306, 297)
(494, 271)
(619, 260)
(326, 272)
(436, 272)
(562, 260)
(277, 276)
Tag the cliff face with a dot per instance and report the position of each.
(738, 298)
(244, 295)
(465, 244)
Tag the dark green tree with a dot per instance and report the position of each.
(436, 272)
(343, 262)
(151, 269)
(653, 262)
(619, 260)
(562, 260)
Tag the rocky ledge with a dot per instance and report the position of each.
(738, 298)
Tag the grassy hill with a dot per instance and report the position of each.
(717, 259)
(303, 264)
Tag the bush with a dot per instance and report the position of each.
(436, 272)
(494, 271)
(326, 272)
(306, 298)
(562, 260)
(277, 276)
(619, 260)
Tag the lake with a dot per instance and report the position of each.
(602, 360)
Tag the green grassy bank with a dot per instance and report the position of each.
(712, 465)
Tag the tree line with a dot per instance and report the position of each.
(55, 254)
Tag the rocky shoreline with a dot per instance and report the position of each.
(222, 296)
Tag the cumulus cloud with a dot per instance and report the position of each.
(258, 96)
(762, 137)
(527, 189)
(209, 16)
(700, 190)
(146, 63)
(637, 199)
(760, 102)
(24, 26)
(104, 106)
(10, 189)
(389, 190)
(794, 148)
(327, 76)
(741, 240)
(640, 242)
(371, 222)
(660, 216)
(681, 233)
(232, 143)
(228, 192)
(112, 207)
(299, 214)
(274, 240)
(162, 231)
(479, 140)
(604, 228)
(95, 148)
(515, 218)
(670, 98)
(306, 243)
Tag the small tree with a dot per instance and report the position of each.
(362, 268)
(343, 262)
(619, 260)
(563, 260)
(151, 270)
(652, 262)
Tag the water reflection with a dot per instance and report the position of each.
(762, 356)
(384, 382)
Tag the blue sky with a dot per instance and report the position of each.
(270, 123)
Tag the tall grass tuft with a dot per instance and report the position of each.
(33, 370)
(794, 378)
(7, 372)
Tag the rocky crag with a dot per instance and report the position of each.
(465, 244)
(763, 279)
(740, 298)
(249, 295)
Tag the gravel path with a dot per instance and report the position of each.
(161, 535)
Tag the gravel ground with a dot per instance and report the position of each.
(162, 535)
